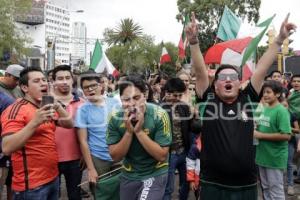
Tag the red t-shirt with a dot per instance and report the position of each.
(66, 139)
(36, 163)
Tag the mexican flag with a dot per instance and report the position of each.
(231, 52)
(165, 57)
(100, 62)
(241, 35)
(183, 40)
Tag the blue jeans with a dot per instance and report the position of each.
(177, 161)
(48, 191)
(289, 173)
(72, 173)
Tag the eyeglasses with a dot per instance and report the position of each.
(192, 89)
(176, 95)
(231, 77)
(91, 87)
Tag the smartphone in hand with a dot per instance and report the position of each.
(47, 99)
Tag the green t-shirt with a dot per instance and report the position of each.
(273, 154)
(138, 164)
(294, 103)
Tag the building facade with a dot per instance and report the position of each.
(48, 26)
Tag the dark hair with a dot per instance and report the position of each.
(275, 71)
(295, 76)
(24, 74)
(61, 68)
(275, 86)
(132, 80)
(221, 67)
(89, 76)
(49, 72)
(150, 98)
(174, 85)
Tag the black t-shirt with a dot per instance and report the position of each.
(228, 153)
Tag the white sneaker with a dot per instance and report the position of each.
(290, 190)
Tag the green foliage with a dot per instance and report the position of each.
(260, 51)
(126, 32)
(209, 13)
(133, 51)
(11, 39)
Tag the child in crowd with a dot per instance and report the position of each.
(273, 132)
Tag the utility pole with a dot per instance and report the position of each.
(50, 54)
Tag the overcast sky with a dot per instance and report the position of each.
(157, 17)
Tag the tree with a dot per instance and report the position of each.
(142, 55)
(209, 12)
(125, 33)
(11, 39)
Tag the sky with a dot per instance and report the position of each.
(157, 17)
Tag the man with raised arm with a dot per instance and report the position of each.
(228, 168)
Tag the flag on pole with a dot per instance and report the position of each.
(232, 28)
(183, 40)
(229, 25)
(100, 62)
(165, 57)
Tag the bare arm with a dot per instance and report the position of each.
(154, 149)
(15, 141)
(118, 151)
(202, 81)
(296, 129)
(269, 56)
(272, 136)
(82, 137)
(65, 119)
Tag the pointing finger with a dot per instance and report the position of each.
(193, 18)
(287, 18)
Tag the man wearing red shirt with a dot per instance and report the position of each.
(66, 139)
(28, 135)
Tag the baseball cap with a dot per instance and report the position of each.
(14, 70)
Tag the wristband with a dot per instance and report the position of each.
(194, 41)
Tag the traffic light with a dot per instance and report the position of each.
(285, 48)
(271, 36)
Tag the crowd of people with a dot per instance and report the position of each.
(221, 137)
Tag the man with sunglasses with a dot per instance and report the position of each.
(91, 122)
(228, 169)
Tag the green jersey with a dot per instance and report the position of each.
(294, 105)
(138, 164)
(273, 154)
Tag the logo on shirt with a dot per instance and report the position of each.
(231, 112)
(244, 116)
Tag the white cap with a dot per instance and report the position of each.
(14, 70)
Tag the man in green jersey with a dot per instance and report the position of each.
(140, 135)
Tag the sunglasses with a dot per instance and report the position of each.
(231, 77)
